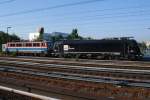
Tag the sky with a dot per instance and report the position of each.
(93, 18)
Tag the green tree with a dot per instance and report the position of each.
(14, 37)
(41, 31)
(142, 46)
(74, 35)
(4, 38)
(89, 38)
(56, 38)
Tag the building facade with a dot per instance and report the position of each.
(33, 36)
(147, 44)
(46, 36)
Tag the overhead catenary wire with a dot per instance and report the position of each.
(68, 26)
(102, 15)
(78, 24)
(99, 17)
(80, 12)
(50, 8)
(6, 1)
(60, 16)
(83, 2)
(107, 9)
(90, 22)
(85, 21)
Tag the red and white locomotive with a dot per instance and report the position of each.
(28, 48)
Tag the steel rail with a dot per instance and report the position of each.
(68, 59)
(104, 62)
(26, 93)
(84, 68)
(69, 76)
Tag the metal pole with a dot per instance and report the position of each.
(27, 94)
(8, 33)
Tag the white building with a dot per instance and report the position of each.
(33, 36)
(46, 36)
(147, 43)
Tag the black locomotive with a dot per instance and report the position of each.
(114, 48)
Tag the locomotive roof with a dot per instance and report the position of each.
(31, 42)
(94, 41)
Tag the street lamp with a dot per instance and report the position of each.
(8, 29)
(7, 33)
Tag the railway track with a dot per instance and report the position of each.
(81, 60)
(87, 60)
(88, 78)
(106, 63)
(89, 86)
(95, 80)
(129, 75)
(115, 73)
(13, 94)
(79, 68)
(93, 68)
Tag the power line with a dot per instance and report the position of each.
(101, 16)
(120, 14)
(7, 1)
(89, 22)
(100, 10)
(50, 8)
(133, 14)
(81, 12)
(108, 9)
